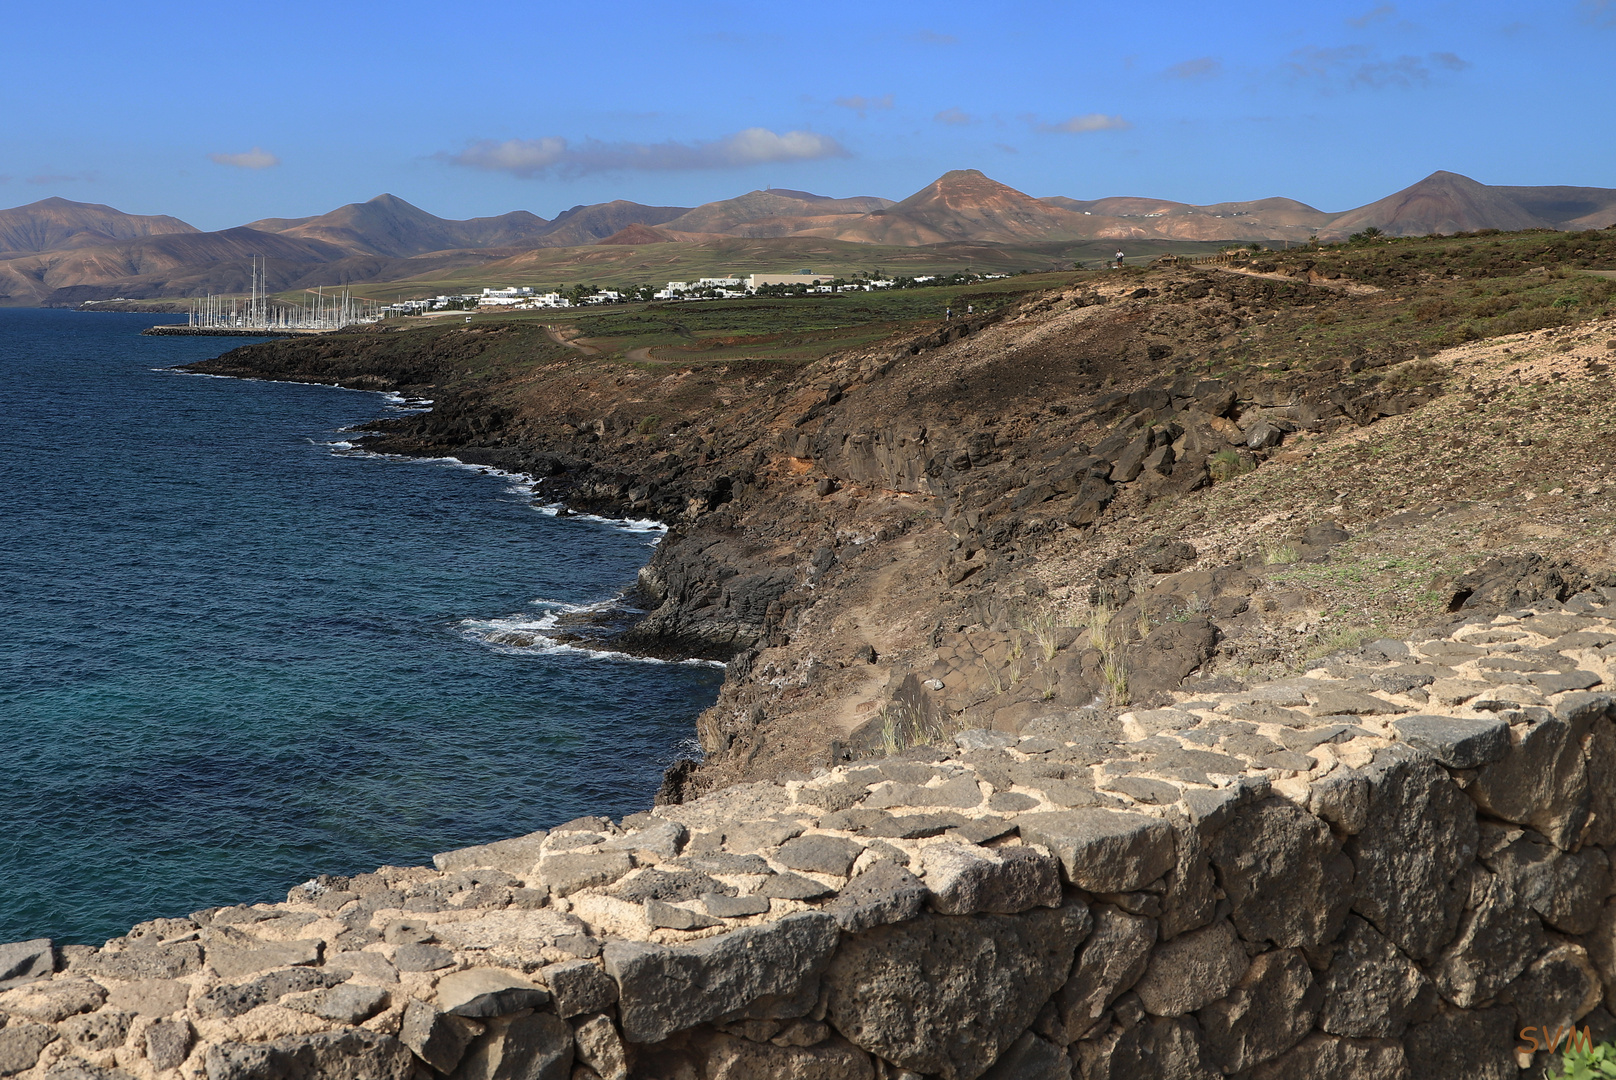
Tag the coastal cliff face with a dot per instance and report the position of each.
(903, 540)
(1327, 876)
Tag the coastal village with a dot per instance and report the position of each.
(802, 282)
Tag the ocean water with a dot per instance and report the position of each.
(234, 654)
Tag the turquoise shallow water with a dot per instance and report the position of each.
(234, 657)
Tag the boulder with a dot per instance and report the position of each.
(597, 1044)
(1414, 852)
(527, 1046)
(1158, 1048)
(234, 999)
(1192, 970)
(664, 989)
(350, 1054)
(1497, 939)
(734, 907)
(1031, 1058)
(1371, 989)
(1330, 1057)
(1268, 1011)
(347, 1004)
(150, 962)
(1565, 888)
(580, 986)
(435, 1037)
(168, 1043)
(1103, 850)
(1542, 781)
(966, 879)
(416, 957)
(1285, 874)
(1474, 1044)
(672, 917)
(726, 1057)
(1558, 989)
(149, 997)
(1457, 742)
(567, 874)
(1114, 956)
(884, 893)
(948, 994)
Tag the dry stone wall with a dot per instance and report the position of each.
(1382, 870)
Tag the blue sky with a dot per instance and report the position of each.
(221, 114)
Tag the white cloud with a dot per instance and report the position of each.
(861, 104)
(1203, 67)
(954, 117)
(1384, 11)
(1078, 125)
(1352, 66)
(256, 158)
(754, 146)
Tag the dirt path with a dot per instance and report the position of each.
(641, 354)
(555, 336)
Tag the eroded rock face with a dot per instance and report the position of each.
(947, 994)
(1269, 1010)
(1371, 988)
(1113, 958)
(1192, 970)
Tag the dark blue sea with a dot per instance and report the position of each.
(234, 655)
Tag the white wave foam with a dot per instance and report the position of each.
(532, 635)
(637, 525)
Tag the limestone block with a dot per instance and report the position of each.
(663, 989)
(1286, 877)
(966, 879)
(1114, 956)
(884, 893)
(26, 961)
(529, 1046)
(350, 1054)
(660, 840)
(146, 962)
(52, 1001)
(1371, 989)
(1414, 851)
(1457, 742)
(1267, 1012)
(516, 856)
(947, 994)
(1497, 939)
(1474, 1044)
(579, 986)
(1330, 1057)
(567, 874)
(149, 997)
(1103, 850)
(234, 961)
(1542, 781)
(1192, 970)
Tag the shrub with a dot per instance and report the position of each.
(648, 424)
(1226, 465)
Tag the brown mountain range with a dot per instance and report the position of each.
(59, 252)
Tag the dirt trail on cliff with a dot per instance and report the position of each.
(1141, 483)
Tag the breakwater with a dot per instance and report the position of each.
(1387, 867)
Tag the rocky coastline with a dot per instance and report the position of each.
(1392, 867)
